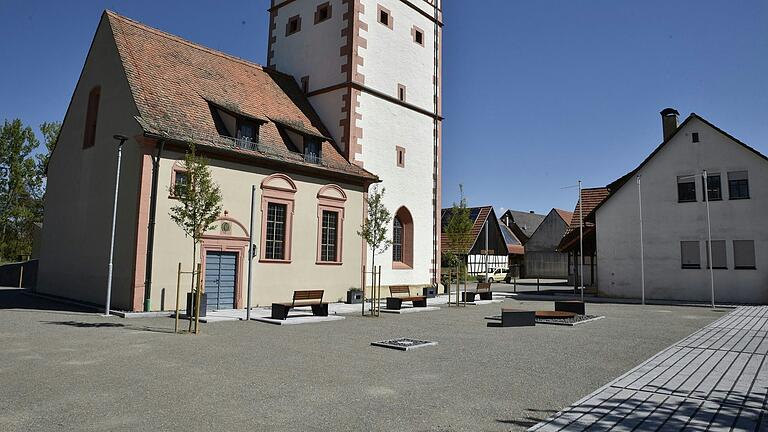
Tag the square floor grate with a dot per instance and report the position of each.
(403, 344)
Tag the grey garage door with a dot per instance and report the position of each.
(220, 278)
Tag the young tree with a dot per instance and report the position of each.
(199, 201)
(458, 230)
(374, 229)
(21, 190)
(50, 131)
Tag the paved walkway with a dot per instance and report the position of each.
(715, 379)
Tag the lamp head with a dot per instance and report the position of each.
(120, 137)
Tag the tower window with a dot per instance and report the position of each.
(89, 138)
(323, 12)
(400, 156)
(293, 25)
(385, 16)
(418, 35)
(401, 92)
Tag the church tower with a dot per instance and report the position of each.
(372, 71)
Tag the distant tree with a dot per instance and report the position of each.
(21, 190)
(199, 201)
(50, 131)
(374, 229)
(459, 232)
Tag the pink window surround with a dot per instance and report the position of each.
(225, 243)
(320, 7)
(293, 21)
(407, 220)
(400, 156)
(178, 166)
(390, 21)
(401, 92)
(416, 30)
(331, 198)
(280, 189)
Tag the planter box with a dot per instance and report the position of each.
(191, 302)
(469, 298)
(354, 297)
(429, 292)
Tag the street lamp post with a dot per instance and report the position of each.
(122, 140)
(709, 243)
(251, 254)
(581, 245)
(642, 255)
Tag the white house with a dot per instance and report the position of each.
(675, 219)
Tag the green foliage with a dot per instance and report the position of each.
(21, 190)
(50, 131)
(374, 229)
(459, 227)
(199, 200)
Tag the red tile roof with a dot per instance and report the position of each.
(566, 215)
(592, 197)
(174, 81)
(477, 226)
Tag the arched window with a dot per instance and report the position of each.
(397, 240)
(89, 137)
(402, 239)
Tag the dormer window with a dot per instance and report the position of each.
(311, 150)
(247, 131)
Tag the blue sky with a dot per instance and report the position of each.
(536, 94)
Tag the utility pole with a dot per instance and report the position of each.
(642, 256)
(122, 139)
(581, 245)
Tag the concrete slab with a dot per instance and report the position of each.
(407, 310)
(299, 319)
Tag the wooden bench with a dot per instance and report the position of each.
(312, 298)
(401, 293)
(511, 317)
(483, 290)
(574, 306)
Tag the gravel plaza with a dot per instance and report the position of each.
(67, 369)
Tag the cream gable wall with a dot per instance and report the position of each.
(81, 182)
(667, 222)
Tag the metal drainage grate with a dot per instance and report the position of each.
(403, 344)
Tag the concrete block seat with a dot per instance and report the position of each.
(575, 306)
(511, 317)
(402, 293)
(483, 290)
(313, 298)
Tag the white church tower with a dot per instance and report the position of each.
(372, 71)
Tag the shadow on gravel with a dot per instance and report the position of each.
(80, 324)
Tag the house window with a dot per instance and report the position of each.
(385, 16)
(180, 183)
(329, 237)
(718, 254)
(89, 138)
(323, 12)
(695, 137)
(277, 204)
(714, 191)
(689, 251)
(293, 25)
(311, 150)
(397, 240)
(400, 156)
(744, 254)
(275, 242)
(686, 189)
(738, 185)
(418, 35)
(401, 92)
(330, 214)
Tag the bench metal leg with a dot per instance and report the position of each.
(280, 311)
(420, 303)
(394, 303)
(320, 310)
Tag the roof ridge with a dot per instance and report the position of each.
(158, 32)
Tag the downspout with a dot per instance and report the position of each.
(151, 227)
(436, 195)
